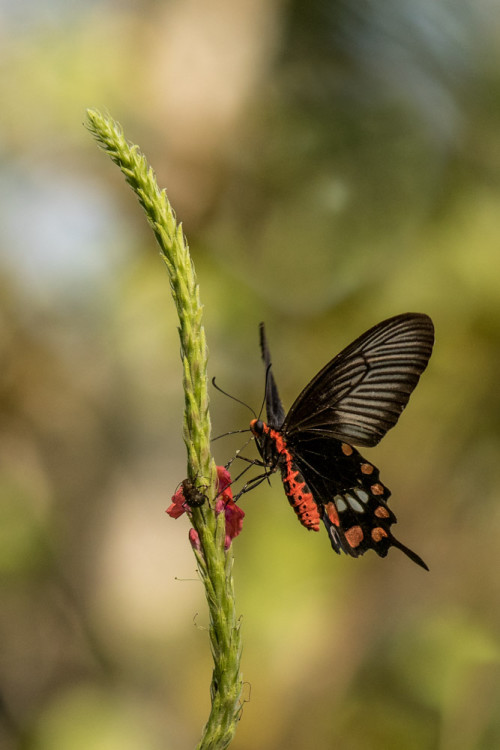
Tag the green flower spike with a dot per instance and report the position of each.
(214, 562)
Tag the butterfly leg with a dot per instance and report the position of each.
(252, 484)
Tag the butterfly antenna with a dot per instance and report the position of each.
(238, 401)
(231, 432)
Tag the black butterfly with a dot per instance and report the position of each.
(354, 399)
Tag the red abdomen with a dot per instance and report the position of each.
(275, 453)
(298, 493)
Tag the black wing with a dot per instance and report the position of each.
(351, 498)
(360, 394)
(274, 407)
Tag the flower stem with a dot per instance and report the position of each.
(214, 563)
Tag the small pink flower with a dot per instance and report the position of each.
(234, 519)
(194, 539)
(178, 505)
(233, 513)
(224, 478)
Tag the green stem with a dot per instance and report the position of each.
(214, 564)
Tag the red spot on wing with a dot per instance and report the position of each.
(367, 468)
(381, 512)
(378, 533)
(347, 449)
(332, 514)
(377, 489)
(354, 536)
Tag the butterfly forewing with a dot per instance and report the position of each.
(274, 406)
(360, 394)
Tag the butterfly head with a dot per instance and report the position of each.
(269, 442)
(258, 427)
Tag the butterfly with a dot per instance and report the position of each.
(354, 400)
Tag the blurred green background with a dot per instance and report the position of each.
(333, 164)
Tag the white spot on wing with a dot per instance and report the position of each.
(354, 504)
(340, 503)
(363, 496)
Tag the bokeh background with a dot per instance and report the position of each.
(333, 163)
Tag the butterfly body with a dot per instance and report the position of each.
(354, 399)
(277, 456)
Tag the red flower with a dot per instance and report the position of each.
(178, 505)
(234, 514)
(234, 518)
(194, 539)
(224, 478)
